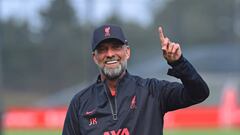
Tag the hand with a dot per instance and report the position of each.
(171, 51)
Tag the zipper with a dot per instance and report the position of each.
(116, 110)
(114, 113)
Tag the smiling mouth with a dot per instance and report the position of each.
(111, 62)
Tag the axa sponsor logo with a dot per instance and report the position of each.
(121, 131)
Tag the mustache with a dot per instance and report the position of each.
(114, 58)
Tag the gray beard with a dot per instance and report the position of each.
(113, 74)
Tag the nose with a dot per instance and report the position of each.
(110, 52)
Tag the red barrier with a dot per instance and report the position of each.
(193, 117)
(227, 115)
(54, 117)
(34, 118)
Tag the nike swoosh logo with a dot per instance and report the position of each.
(90, 112)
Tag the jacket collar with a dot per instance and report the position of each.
(100, 88)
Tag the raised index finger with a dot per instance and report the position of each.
(161, 35)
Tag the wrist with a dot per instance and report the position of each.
(176, 62)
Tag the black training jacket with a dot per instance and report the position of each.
(139, 105)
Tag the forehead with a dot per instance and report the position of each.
(110, 41)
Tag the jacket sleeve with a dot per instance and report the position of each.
(71, 123)
(193, 90)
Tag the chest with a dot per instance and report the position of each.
(118, 115)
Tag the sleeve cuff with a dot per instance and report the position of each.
(178, 68)
(177, 62)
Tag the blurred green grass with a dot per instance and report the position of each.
(32, 132)
(235, 131)
(210, 131)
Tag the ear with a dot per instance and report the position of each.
(128, 52)
(94, 57)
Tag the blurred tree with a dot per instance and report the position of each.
(114, 19)
(64, 47)
(59, 14)
(18, 55)
(195, 22)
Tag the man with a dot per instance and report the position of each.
(119, 103)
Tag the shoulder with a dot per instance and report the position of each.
(148, 82)
(83, 94)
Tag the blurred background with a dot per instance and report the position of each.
(45, 56)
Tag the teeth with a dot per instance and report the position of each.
(111, 62)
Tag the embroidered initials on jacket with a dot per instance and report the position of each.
(123, 131)
(92, 121)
